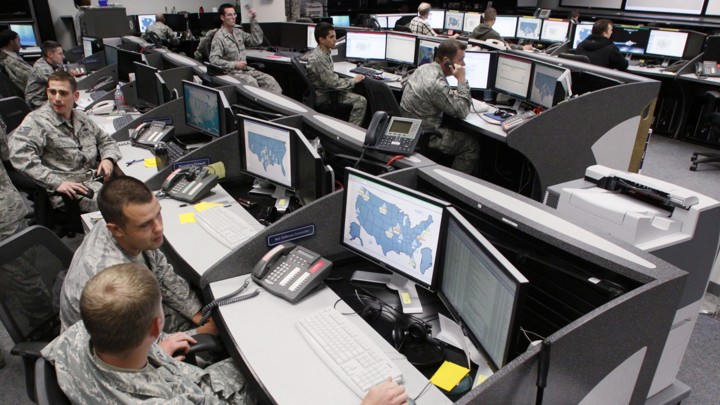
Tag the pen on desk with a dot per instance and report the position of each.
(127, 164)
(183, 205)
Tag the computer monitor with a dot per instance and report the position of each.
(554, 30)
(178, 22)
(146, 85)
(582, 31)
(311, 42)
(630, 39)
(145, 20)
(670, 44)
(454, 20)
(545, 82)
(477, 70)
(513, 76)
(91, 45)
(204, 21)
(506, 26)
(126, 63)
(365, 45)
(529, 28)
(341, 20)
(471, 21)
(111, 55)
(436, 18)
(205, 109)
(398, 229)
(425, 51)
(482, 290)
(400, 48)
(26, 32)
(382, 20)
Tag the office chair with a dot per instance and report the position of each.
(65, 221)
(711, 130)
(380, 97)
(333, 108)
(402, 28)
(7, 87)
(33, 262)
(404, 21)
(153, 38)
(572, 56)
(13, 110)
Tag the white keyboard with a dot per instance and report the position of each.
(225, 226)
(349, 353)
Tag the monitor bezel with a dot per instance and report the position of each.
(13, 27)
(532, 82)
(462, 26)
(402, 35)
(517, 28)
(639, 29)
(418, 42)
(292, 147)
(130, 66)
(497, 65)
(553, 21)
(138, 86)
(350, 34)
(575, 33)
(140, 26)
(514, 17)
(221, 102)
(687, 37)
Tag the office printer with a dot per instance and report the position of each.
(678, 225)
(312, 9)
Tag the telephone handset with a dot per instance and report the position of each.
(150, 133)
(103, 107)
(291, 271)
(189, 185)
(393, 134)
(103, 83)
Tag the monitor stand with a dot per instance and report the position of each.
(281, 194)
(407, 290)
(517, 104)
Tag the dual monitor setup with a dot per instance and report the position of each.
(424, 241)
(196, 22)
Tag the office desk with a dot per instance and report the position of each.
(655, 72)
(266, 56)
(136, 169)
(343, 68)
(266, 340)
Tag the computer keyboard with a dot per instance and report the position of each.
(225, 226)
(175, 152)
(122, 121)
(347, 351)
(362, 70)
(517, 119)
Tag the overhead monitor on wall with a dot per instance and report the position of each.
(610, 4)
(666, 6)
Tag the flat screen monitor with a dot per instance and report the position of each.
(529, 28)
(454, 20)
(341, 20)
(26, 32)
(513, 76)
(554, 30)
(630, 39)
(91, 45)
(146, 85)
(365, 45)
(545, 78)
(482, 290)
(267, 151)
(582, 31)
(713, 7)
(436, 18)
(145, 20)
(204, 21)
(311, 42)
(111, 55)
(126, 63)
(471, 21)
(393, 18)
(382, 20)
(477, 70)
(505, 26)
(177, 22)
(205, 108)
(400, 48)
(666, 6)
(395, 227)
(425, 51)
(670, 44)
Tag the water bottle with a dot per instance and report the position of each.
(119, 100)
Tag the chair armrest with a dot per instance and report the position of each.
(205, 343)
(28, 349)
(257, 65)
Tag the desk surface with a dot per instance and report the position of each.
(137, 169)
(343, 68)
(266, 56)
(264, 333)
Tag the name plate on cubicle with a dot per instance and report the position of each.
(191, 163)
(291, 234)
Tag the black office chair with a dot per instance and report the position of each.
(380, 97)
(710, 130)
(153, 38)
(403, 21)
(13, 110)
(334, 108)
(575, 57)
(7, 87)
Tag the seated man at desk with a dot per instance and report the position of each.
(16, 68)
(427, 95)
(59, 147)
(52, 60)
(485, 31)
(420, 24)
(320, 73)
(228, 49)
(132, 232)
(600, 49)
(165, 33)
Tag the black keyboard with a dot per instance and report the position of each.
(362, 70)
(122, 121)
(174, 150)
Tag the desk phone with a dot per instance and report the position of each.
(291, 271)
(150, 133)
(393, 134)
(189, 185)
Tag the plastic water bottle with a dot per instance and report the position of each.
(119, 100)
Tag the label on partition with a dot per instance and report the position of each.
(191, 163)
(291, 234)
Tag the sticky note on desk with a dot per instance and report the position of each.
(150, 162)
(187, 218)
(449, 375)
(202, 206)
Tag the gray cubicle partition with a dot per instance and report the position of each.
(89, 81)
(607, 355)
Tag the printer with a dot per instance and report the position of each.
(312, 9)
(678, 225)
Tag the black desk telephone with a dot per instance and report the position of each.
(104, 83)
(150, 133)
(393, 134)
(291, 271)
(189, 185)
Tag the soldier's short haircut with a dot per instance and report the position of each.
(322, 30)
(601, 26)
(118, 305)
(448, 48)
(6, 36)
(48, 47)
(221, 9)
(119, 192)
(63, 76)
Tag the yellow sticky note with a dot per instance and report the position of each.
(449, 375)
(406, 298)
(150, 162)
(202, 206)
(187, 218)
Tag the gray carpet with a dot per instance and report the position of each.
(666, 159)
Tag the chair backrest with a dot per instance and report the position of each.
(309, 95)
(380, 97)
(202, 53)
(402, 28)
(47, 389)
(13, 111)
(575, 57)
(154, 38)
(404, 21)
(7, 87)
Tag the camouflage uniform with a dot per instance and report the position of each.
(321, 74)
(12, 207)
(86, 379)
(50, 150)
(228, 48)
(35, 90)
(427, 96)
(17, 69)
(292, 10)
(419, 25)
(202, 53)
(99, 251)
(163, 31)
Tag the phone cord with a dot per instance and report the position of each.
(225, 300)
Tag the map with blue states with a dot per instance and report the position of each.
(269, 151)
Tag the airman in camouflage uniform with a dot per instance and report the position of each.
(164, 32)
(118, 353)
(12, 208)
(17, 69)
(54, 150)
(228, 50)
(52, 59)
(427, 96)
(321, 74)
(202, 53)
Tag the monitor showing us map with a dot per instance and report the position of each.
(203, 108)
(393, 226)
(267, 151)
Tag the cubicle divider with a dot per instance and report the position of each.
(88, 82)
(172, 111)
